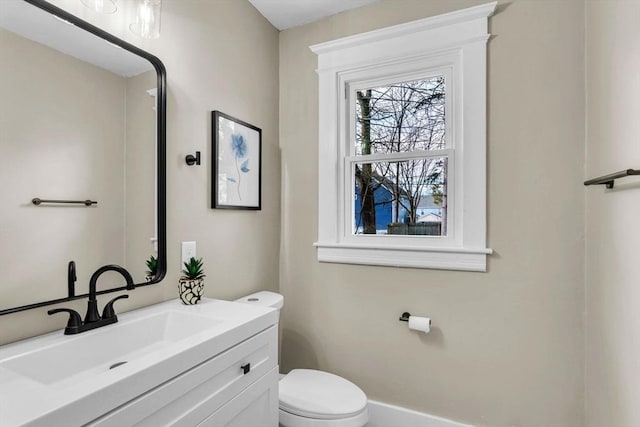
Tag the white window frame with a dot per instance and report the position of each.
(453, 44)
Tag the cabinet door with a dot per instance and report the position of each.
(257, 406)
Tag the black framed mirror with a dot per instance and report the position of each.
(83, 163)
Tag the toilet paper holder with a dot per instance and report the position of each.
(405, 316)
(422, 324)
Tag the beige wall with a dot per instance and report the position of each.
(507, 345)
(613, 228)
(219, 55)
(62, 131)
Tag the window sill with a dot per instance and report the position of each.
(465, 259)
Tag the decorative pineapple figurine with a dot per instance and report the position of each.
(191, 284)
(152, 266)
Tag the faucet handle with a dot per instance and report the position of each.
(108, 312)
(74, 323)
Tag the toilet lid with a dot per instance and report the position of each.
(320, 395)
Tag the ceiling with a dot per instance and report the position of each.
(285, 14)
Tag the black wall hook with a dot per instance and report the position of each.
(191, 160)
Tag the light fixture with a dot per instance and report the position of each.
(102, 6)
(147, 19)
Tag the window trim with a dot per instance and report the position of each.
(456, 40)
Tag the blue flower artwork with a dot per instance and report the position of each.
(240, 151)
(238, 145)
(238, 157)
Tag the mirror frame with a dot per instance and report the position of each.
(161, 143)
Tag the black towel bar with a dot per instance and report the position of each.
(608, 180)
(36, 201)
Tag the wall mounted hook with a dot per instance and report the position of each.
(193, 160)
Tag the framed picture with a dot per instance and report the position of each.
(237, 163)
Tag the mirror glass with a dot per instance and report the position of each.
(78, 121)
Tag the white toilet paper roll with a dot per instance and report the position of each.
(420, 324)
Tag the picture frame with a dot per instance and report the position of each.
(236, 164)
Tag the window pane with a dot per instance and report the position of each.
(401, 117)
(406, 197)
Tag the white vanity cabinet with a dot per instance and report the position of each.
(217, 392)
(169, 364)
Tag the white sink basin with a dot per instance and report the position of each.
(54, 378)
(100, 351)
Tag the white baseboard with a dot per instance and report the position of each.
(384, 415)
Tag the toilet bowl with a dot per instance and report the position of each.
(310, 398)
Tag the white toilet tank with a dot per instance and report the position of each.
(265, 298)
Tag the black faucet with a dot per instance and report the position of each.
(71, 279)
(92, 307)
(92, 319)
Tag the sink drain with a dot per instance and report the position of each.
(115, 365)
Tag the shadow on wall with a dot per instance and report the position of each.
(435, 337)
(299, 354)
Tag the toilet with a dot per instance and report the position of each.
(310, 398)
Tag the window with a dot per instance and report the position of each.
(402, 144)
(398, 157)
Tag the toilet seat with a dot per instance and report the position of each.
(320, 398)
